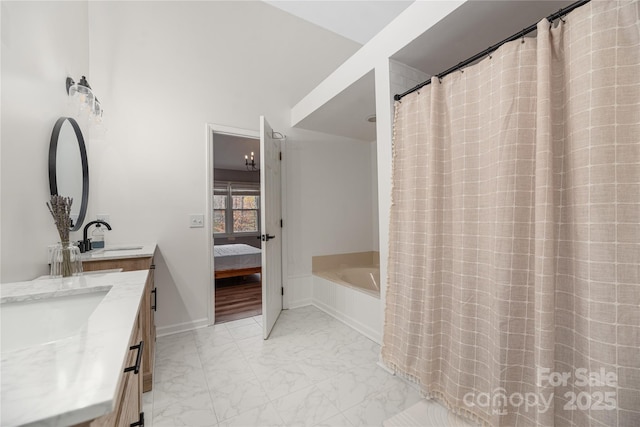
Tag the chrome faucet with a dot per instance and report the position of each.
(85, 244)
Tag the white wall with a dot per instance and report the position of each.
(329, 197)
(164, 70)
(340, 198)
(403, 77)
(411, 23)
(375, 229)
(42, 44)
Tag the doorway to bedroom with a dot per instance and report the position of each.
(236, 227)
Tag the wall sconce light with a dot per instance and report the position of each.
(250, 163)
(82, 92)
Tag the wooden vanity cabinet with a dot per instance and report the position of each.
(147, 308)
(128, 407)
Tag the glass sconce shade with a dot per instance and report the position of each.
(81, 91)
(82, 94)
(96, 110)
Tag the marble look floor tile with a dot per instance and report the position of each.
(176, 389)
(320, 369)
(305, 407)
(323, 342)
(216, 327)
(379, 407)
(278, 382)
(208, 337)
(303, 326)
(246, 331)
(240, 322)
(175, 346)
(194, 412)
(303, 375)
(352, 387)
(429, 413)
(147, 407)
(284, 348)
(168, 368)
(147, 398)
(180, 336)
(359, 352)
(255, 346)
(237, 397)
(263, 416)
(219, 375)
(213, 355)
(267, 362)
(335, 421)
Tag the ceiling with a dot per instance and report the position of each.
(346, 114)
(356, 20)
(471, 28)
(229, 151)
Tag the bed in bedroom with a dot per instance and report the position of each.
(236, 260)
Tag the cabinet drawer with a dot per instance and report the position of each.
(126, 264)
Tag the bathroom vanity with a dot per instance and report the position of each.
(72, 350)
(133, 258)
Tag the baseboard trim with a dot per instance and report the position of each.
(182, 327)
(298, 291)
(349, 321)
(300, 303)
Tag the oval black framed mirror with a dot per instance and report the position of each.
(69, 168)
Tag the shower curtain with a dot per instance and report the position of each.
(513, 293)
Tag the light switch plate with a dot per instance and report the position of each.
(196, 221)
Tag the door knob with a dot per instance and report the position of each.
(267, 237)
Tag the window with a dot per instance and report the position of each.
(236, 208)
(220, 196)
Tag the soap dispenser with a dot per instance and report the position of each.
(97, 237)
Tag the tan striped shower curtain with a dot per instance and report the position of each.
(514, 264)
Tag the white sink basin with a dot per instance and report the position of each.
(29, 323)
(122, 248)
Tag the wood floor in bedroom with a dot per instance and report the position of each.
(238, 298)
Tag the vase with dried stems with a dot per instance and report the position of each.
(65, 260)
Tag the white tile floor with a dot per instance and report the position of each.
(313, 371)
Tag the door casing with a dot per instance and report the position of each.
(212, 129)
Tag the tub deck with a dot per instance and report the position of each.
(347, 287)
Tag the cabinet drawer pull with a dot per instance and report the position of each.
(136, 367)
(140, 422)
(155, 299)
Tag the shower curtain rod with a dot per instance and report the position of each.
(487, 51)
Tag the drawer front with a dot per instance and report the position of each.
(126, 264)
(128, 386)
(131, 405)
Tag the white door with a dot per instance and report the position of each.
(270, 216)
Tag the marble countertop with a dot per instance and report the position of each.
(120, 252)
(73, 379)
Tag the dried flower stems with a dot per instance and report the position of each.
(60, 208)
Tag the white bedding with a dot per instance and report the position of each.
(233, 257)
